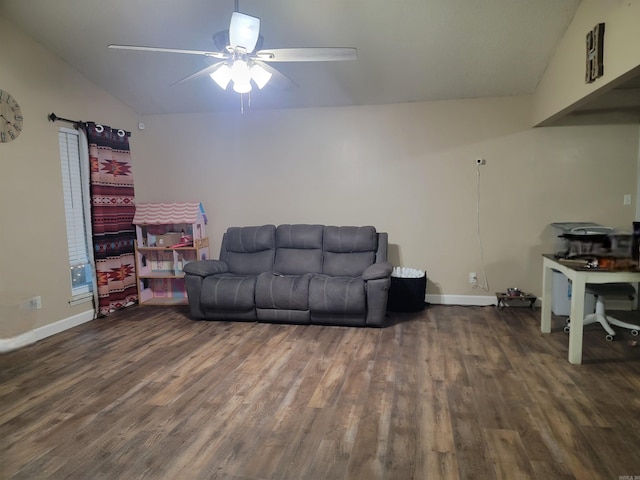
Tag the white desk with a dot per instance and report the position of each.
(579, 277)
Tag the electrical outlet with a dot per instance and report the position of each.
(626, 199)
(34, 303)
(473, 278)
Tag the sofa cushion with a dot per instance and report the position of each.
(347, 264)
(340, 295)
(250, 250)
(298, 249)
(348, 251)
(287, 292)
(228, 292)
(277, 315)
(299, 236)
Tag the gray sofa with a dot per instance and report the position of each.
(299, 274)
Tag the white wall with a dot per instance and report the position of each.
(407, 169)
(33, 245)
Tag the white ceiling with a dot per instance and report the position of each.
(408, 50)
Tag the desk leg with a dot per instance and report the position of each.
(547, 294)
(577, 321)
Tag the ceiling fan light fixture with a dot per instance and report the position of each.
(222, 76)
(242, 59)
(259, 75)
(241, 87)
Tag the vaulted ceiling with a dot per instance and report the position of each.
(408, 50)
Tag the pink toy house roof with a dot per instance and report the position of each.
(163, 213)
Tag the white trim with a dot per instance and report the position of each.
(469, 300)
(32, 336)
(479, 300)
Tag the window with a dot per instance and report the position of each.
(76, 208)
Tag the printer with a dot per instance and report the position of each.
(585, 239)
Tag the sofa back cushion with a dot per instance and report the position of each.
(348, 251)
(249, 250)
(298, 249)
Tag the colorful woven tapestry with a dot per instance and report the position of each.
(112, 210)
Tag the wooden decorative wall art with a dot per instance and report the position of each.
(595, 53)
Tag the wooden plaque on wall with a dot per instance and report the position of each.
(595, 53)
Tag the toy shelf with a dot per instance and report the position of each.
(168, 236)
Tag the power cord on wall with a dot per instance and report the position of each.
(484, 287)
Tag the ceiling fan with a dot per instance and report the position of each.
(242, 59)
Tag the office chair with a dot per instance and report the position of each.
(601, 291)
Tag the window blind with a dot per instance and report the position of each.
(73, 206)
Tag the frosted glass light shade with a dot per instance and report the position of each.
(240, 72)
(244, 31)
(222, 76)
(241, 87)
(260, 76)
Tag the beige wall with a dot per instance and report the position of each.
(33, 251)
(407, 169)
(563, 85)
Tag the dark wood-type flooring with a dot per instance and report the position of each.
(451, 392)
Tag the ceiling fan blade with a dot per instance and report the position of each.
(278, 79)
(327, 54)
(169, 50)
(201, 73)
(244, 31)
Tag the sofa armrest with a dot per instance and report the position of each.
(377, 270)
(204, 268)
(377, 279)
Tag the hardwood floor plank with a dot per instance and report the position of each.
(436, 424)
(451, 392)
(470, 446)
(404, 456)
(551, 470)
(576, 450)
(369, 450)
(612, 450)
(442, 466)
(508, 454)
(446, 338)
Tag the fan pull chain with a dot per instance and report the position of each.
(242, 102)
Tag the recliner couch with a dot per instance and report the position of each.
(302, 274)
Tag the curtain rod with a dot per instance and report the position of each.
(53, 117)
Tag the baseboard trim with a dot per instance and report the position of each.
(40, 333)
(467, 300)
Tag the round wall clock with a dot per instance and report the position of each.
(10, 118)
